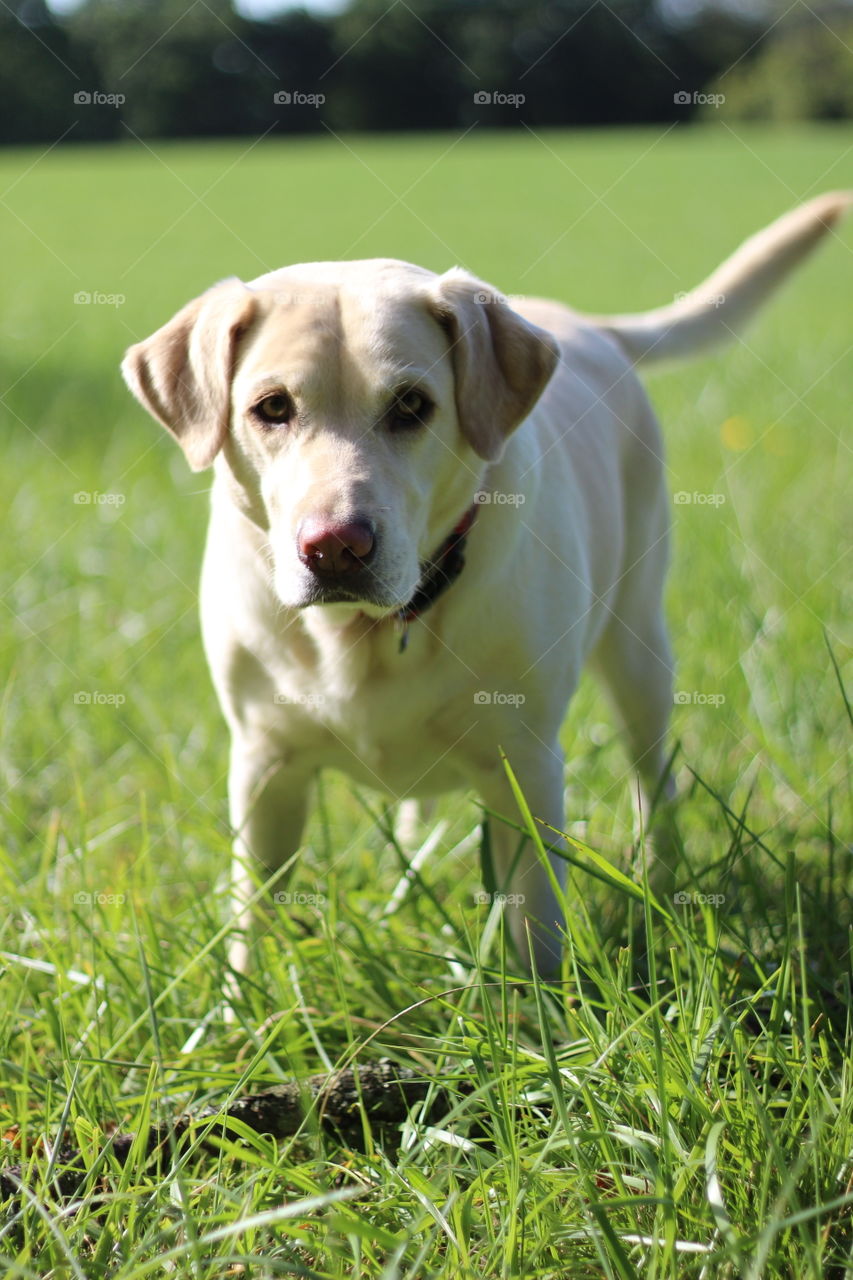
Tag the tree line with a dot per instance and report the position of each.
(173, 68)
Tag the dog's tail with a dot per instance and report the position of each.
(718, 309)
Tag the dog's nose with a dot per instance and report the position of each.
(333, 549)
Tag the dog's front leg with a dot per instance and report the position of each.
(534, 913)
(268, 798)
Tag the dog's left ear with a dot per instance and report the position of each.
(502, 362)
(182, 373)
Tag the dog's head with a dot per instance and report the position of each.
(352, 406)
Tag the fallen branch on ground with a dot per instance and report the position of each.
(380, 1093)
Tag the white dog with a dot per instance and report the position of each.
(358, 416)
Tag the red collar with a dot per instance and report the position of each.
(440, 572)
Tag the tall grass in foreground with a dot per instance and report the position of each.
(697, 1121)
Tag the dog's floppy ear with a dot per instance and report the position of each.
(502, 363)
(182, 373)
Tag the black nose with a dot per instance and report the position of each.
(332, 549)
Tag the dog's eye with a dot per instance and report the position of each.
(411, 409)
(274, 410)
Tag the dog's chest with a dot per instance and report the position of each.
(400, 722)
(388, 738)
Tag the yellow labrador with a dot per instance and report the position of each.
(355, 615)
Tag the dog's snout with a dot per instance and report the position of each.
(330, 549)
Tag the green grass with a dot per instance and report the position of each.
(704, 1130)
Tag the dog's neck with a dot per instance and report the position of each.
(441, 572)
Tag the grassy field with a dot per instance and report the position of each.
(696, 1125)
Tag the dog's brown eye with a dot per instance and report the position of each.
(411, 409)
(275, 409)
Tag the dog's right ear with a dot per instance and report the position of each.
(502, 362)
(182, 374)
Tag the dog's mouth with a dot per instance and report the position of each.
(318, 595)
(361, 590)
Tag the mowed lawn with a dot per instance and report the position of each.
(680, 1107)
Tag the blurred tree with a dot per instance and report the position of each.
(183, 70)
(428, 63)
(41, 68)
(397, 67)
(299, 48)
(802, 71)
(203, 70)
(433, 62)
(172, 69)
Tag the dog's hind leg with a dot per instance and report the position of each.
(634, 661)
(533, 910)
